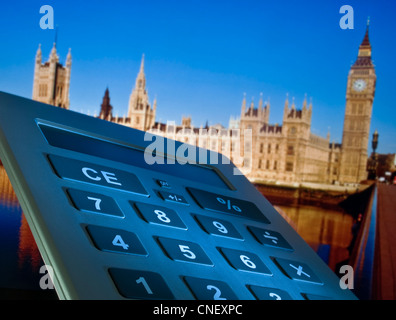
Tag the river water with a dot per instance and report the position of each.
(327, 231)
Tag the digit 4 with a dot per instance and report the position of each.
(118, 241)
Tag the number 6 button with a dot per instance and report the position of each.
(181, 250)
(245, 261)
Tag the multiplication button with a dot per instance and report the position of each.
(297, 270)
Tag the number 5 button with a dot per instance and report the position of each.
(185, 251)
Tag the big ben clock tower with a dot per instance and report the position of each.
(359, 104)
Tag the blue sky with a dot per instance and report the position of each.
(202, 56)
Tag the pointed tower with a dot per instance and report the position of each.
(358, 109)
(141, 115)
(106, 108)
(51, 81)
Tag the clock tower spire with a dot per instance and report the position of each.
(359, 104)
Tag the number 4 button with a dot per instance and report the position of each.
(115, 240)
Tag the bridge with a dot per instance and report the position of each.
(374, 255)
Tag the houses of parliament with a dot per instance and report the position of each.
(287, 152)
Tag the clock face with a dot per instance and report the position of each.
(359, 85)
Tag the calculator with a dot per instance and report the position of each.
(112, 225)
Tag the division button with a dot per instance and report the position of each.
(270, 238)
(205, 289)
(137, 284)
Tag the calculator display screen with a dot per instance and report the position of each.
(81, 143)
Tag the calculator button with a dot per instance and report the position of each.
(297, 270)
(205, 289)
(270, 238)
(172, 197)
(220, 203)
(136, 284)
(180, 250)
(94, 202)
(163, 183)
(218, 227)
(115, 240)
(76, 170)
(159, 215)
(264, 293)
(245, 261)
(310, 296)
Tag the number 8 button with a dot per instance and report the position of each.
(159, 215)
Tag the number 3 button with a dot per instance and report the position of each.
(205, 289)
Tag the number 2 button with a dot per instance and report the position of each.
(205, 289)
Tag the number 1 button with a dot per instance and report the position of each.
(205, 289)
(136, 284)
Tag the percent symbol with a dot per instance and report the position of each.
(229, 204)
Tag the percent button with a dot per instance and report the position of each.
(220, 203)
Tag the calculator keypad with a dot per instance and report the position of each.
(145, 284)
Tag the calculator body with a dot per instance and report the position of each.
(112, 226)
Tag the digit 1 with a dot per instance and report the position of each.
(145, 285)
